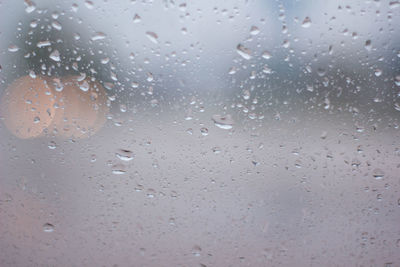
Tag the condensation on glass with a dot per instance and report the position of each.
(200, 133)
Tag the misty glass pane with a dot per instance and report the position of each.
(199, 133)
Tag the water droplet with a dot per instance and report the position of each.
(152, 37)
(124, 155)
(397, 80)
(196, 251)
(48, 228)
(43, 44)
(254, 30)
(151, 193)
(306, 23)
(246, 95)
(189, 131)
(89, 4)
(368, 45)
(56, 25)
(394, 4)
(397, 106)
(84, 86)
(32, 74)
(216, 150)
(30, 6)
(204, 131)
(150, 77)
(74, 7)
(136, 18)
(243, 51)
(52, 145)
(378, 174)
(266, 55)
(378, 72)
(98, 36)
(36, 119)
(118, 169)
(13, 48)
(55, 55)
(223, 122)
(33, 24)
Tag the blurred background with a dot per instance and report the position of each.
(235, 133)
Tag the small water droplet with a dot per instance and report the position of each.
(216, 150)
(153, 37)
(36, 119)
(118, 169)
(48, 228)
(243, 51)
(306, 23)
(55, 55)
(266, 55)
(204, 131)
(43, 43)
(378, 174)
(397, 80)
(89, 4)
(246, 95)
(136, 18)
(196, 251)
(30, 6)
(223, 122)
(52, 145)
(124, 155)
(254, 30)
(32, 74)
(378, 72)
(56, 25)
(394, 4)
(98, 36)
(84, 86)
(368, 45)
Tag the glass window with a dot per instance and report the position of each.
(199, 133)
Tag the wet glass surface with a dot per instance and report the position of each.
(203, 133)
